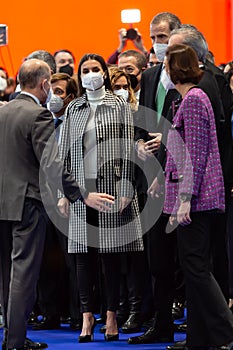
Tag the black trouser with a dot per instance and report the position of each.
(162, 262)
(88, 265)
(132, 278)
(21, 249)
(219, 253)
(210, 322)
(87, 268)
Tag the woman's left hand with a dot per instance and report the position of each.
(124, 202)
(183, 214)
(155, 189)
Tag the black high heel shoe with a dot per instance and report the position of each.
(88, 337)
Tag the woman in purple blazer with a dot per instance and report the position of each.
(194, 189)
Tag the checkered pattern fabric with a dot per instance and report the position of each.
(114, 134)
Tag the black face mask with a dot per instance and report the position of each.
(133, 80)
(66, 69)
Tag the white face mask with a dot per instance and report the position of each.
(166, 80)
(56, 103)
(3, 84)
(160, 50)
(92, 81)
(123, 93)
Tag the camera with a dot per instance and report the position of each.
(131, 34)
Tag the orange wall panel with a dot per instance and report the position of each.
(92, 26)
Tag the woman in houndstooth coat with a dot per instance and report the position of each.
(97, 147)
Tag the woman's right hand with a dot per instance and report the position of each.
(64, 207)
(99, 201)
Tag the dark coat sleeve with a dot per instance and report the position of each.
(46, 151)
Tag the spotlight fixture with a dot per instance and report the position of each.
(131, 16)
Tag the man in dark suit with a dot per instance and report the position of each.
(25, 130)
(149, 123)
(58, 293)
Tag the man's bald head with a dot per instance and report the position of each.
(32, 72)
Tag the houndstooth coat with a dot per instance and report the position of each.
(114, 135)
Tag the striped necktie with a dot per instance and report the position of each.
(160, 97)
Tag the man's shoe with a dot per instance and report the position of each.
(121, 320)
(180, 327)
(133, 324)
(28, 345)
(46, 324)
(103, 328)
(149, 337)
(228, 346)
(179, 345)
(34, 345)
(76, 324)
(32, 319)
(148, 324)
(177, 311)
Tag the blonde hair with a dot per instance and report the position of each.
(115, 73)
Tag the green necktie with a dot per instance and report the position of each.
(160, 97)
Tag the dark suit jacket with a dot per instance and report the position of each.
(25, 130)
(215, 85)
(146, 121)
(146, 118)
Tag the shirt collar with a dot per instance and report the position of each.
(61, 117)
(32, 96)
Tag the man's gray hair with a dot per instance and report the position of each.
(170, 18)
(194, 38)
(140, 58)
(44, 56)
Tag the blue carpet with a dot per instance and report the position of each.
(65, 339)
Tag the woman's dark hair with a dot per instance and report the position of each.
(98, 58)
(183, 64)
(64, 50)
(4, 70)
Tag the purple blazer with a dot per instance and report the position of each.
(193, 163)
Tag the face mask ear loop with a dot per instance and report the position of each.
(66, 97)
